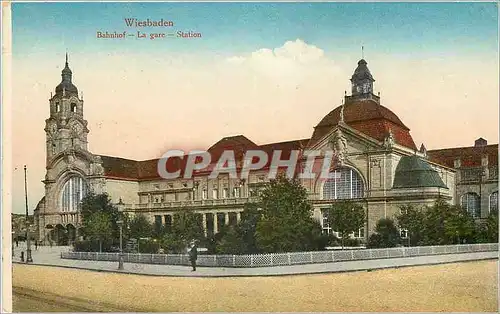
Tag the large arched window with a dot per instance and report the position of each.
(470, 202)
(72, 193)
(494, 201)
(345, 183)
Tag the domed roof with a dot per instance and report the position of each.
(368, 117)
(66, 86)
(413, 172)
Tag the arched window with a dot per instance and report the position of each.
(494, 201)
(73, 107)
(470, 202)
(72, 193)
(345, 183)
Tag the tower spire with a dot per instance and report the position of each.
(66, 58)
(362, 52)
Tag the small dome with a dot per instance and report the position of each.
(66, 85)
(414, 172)
(362, 72)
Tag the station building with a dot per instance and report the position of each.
(376, 162)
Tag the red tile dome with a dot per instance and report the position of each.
(369, 117)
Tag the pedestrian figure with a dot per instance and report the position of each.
(22, 256)
(17, 242)
(193, 255)
(50, 241)
(36, 245)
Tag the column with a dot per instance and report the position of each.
(238, 216)
(226, 218)
(216, 227)
(204, 224)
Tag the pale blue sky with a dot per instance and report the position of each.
(232, 28)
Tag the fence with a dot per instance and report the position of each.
(282, 259)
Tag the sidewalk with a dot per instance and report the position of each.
(51, 257)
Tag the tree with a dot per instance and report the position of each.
(411, 219)
(93, 203)
(487, 231)
(231, 242)
(386, 234)
(98, 227)
(447, 224)
(187, 226)
(346, 217)
(286, 224)
(140, 227)
(247, 227)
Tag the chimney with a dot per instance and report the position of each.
(480, 142)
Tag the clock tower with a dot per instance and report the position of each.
(65, 129)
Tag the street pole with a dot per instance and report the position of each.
(120, 257)
(28, 243)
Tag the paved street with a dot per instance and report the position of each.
(455, 287)
(46, 255)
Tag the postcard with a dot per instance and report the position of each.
(250, 156)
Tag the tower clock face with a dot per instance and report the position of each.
(76, 128)
(52, 128)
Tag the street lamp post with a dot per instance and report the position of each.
(120, 257)
(12, 244)
(28, 243)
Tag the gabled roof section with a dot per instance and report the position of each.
(119, 168)
(239, 144)
(469, 156)
(127, 169)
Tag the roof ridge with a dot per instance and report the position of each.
(461, 147)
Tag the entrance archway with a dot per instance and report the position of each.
(60, 235)
(71, 230)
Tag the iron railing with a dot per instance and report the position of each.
(282, 259)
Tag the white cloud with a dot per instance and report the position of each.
(290, 62)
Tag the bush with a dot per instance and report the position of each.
(353, 242)
(93, 246)
(386, 235)
(149, 246)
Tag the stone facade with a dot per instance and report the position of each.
(369, 142)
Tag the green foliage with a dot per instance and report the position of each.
(239, 239)
(94, 203)
(247, 227)
(187, 226)
(441, 224)
(151, 246)
(286, 224)
(172, 244)
(412, 219)
(352, 242)
(386, 235)
(231, 242)
(94, 246)
(447, 224)
(346, 217)
(98, 227)
(487, 231)
(140, 227)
